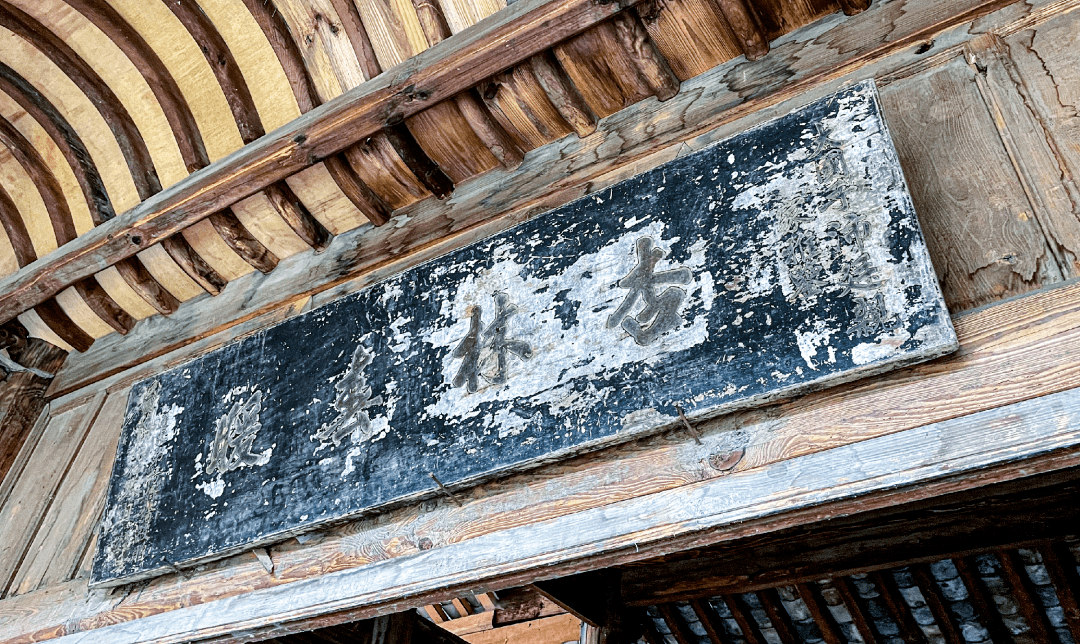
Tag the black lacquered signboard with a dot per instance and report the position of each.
(783, 259)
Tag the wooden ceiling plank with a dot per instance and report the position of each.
(778, 616)
(856, 608)
(819, 611)
(980, 598)
(1061, 565)
(361, 42)
(639, 47)
(1027, 600)
(943, 617)
(745, 24)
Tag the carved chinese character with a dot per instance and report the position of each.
(352, 399)
(493, 340)
(661, 310)
(234, 434)
(870, 318)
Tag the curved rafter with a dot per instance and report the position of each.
(188, 138)
(66, 139)
(119, 121)
(276, 31)
(79, 71)
(242, 105)
(49, 311)
(63, 225)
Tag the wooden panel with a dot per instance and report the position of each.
(1042, 66)
(22, 400)
(58, 546)
(33, 492)
(977, 218)
(580, 346)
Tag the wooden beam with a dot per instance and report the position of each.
(982, 601)
(104, 306)
(650, 63)
(562, 93)
(58, 321)
(811, 597)
(865, 543)
(1025, 595)
(45, 181)
(1061, 566)
(525, 28)
(898, 609)
(148, 288)
(241, 241)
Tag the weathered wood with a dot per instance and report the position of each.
(297, 216)
(54, 316)
(358, 36)
(601, 70)
(692, 34)
(778, 616)
(747, 625)
(744, 23)
(1027, 600)
(853, 7)
(944, 151)
(67, 526)
(490, 132)
(948, 449)
(651, 64)
(419, 163)
(1059, 564)
(104, 306)
(438, 406)
(562, 93)
(273, 25)
(22, 398)
(16, 231)
(180, 250)
(811, 597)
(233, 182)
(242, 242)
(138, 278)
(52, 194)
(36, 487)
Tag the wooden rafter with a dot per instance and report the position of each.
(237, 94)
(277, 33)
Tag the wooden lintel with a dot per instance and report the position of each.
(1001, 445)
(523, 29)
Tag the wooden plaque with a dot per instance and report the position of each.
(784, 259)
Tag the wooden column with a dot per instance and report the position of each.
(22, 393)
